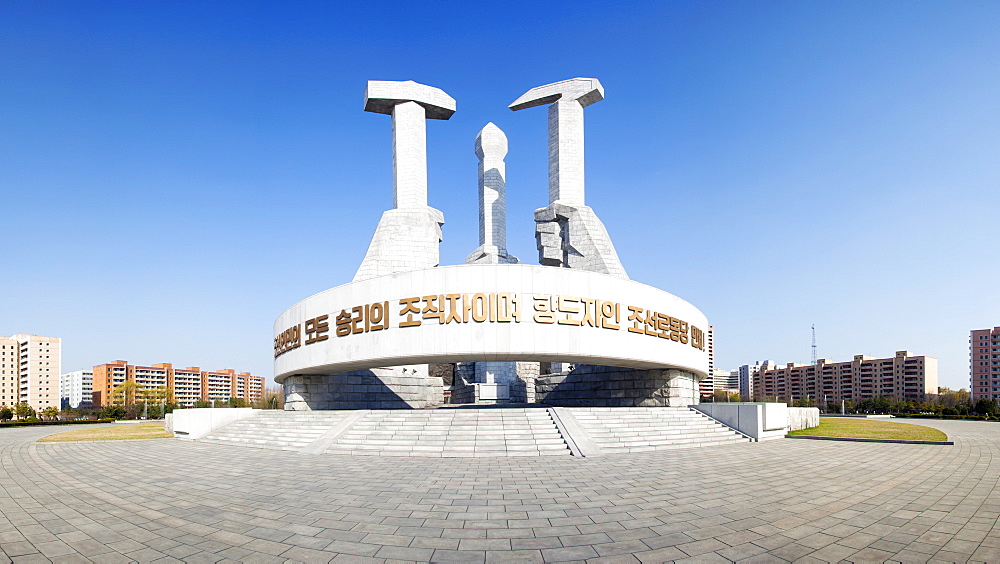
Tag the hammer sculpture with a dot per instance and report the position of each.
(568, 98)
(568, 233)
(409, 104)
(407, 236)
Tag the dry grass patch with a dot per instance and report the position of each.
(871, 429)
(119, 432)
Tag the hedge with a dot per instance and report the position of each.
(41, 423)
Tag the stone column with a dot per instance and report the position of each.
(409, 156)
(491, 148)
(566, 153)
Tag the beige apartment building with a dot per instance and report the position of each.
(188, 385)
(903, 376)
(30, 366)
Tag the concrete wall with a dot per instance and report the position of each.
(802, 418)
(605, 386)
(762, 421)
(196, 423)
(378, 388)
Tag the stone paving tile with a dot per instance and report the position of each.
(770, 502)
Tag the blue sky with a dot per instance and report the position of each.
(175, 174)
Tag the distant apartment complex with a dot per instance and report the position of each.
(747, 372)
(718, 379)
(984, 363)
(903, 377)
(76, 389)
(188, 385)
(29, 370)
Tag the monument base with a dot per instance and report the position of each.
(608, 386)
(377, 388)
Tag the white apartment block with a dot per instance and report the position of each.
(76, 389)
(30, 366)
(748, 371)
(718, 379)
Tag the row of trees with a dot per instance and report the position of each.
(24, 411)
(945, 402)
(132, 401)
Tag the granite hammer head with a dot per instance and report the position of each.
(584, 90)
(382, 95)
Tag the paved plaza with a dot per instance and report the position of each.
(791, 500)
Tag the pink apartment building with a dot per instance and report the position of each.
(984, 363)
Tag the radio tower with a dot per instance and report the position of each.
(814, 345)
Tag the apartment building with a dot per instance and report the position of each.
(903, 376)
(984, 363)
(747, 372)
(187, 385)
(710, 344)
(29, 370)
(76, 389)
(719, 379)
(9, 371)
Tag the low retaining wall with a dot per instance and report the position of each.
(802, 418)
(761, 421)
(196, 423)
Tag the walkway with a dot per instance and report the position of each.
(792, 500)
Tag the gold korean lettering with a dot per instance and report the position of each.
(569, 305)
(411, 306)
(316, 329)
(543, 309)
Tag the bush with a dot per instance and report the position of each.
(112, 412)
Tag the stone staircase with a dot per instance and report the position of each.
(643, 429)
(454, 433)
(478, 432)
(280, 430)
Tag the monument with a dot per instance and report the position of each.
(573, 330)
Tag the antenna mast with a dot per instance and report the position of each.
(814, 345)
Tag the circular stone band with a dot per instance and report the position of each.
(489, 312)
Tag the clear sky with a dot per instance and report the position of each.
(173, 175)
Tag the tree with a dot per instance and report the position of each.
(721, 396)
(23, 411)
(112, 412)
(6, 414)
(951, 398)
(159, 395)
(986, 406)
(124, 394)
(51, 413)
(237, 402)
(273, 398)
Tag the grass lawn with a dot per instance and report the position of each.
(871, 429)
(115, 433)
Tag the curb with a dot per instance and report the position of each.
(857, 440)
